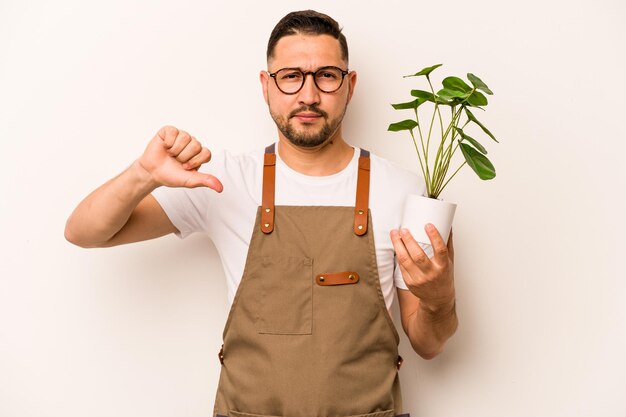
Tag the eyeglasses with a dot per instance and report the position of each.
(291, 80)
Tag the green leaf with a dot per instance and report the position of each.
(473, 118)
(478, 83)
(448, 94)
(457, 84)
(471, 140)
(478, 162)
(477, 99)
(408, 124)
(409, 105)
(425, 71)
(427, 95)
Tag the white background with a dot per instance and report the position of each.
(134, 331)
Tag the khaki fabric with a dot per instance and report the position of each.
(294, 348)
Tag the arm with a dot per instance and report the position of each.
(123, 211)
(427, 309)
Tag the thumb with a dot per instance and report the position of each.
(199, 179)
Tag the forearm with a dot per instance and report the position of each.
(429, 328)
(106, 210)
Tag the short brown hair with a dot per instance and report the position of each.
(308, 22)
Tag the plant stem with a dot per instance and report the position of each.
(452, 176)
(424, 150)
(438, 110)
(444, 158)
(419, 157)
(433, 118)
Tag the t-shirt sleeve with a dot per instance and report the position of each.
(186, 208)
(204, 210)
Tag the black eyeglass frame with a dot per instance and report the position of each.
(313, 73)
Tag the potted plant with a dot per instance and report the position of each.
(435, 151)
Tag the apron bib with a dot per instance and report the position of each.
(308, 333)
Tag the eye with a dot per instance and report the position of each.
(330, 75)
(291, 76)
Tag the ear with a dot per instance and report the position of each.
(264, 78)
(351, 83)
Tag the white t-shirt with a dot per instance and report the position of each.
(228, 217)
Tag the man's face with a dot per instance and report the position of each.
(310, 118)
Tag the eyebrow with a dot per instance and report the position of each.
(300, 69)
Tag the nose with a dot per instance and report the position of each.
(309, 93)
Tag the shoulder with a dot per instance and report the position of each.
(235, 162)
(237, 171)
(241, 174)
(387, 174)
(235, 167)
(390, 184)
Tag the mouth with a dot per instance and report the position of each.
(308, 113)
(307, 117)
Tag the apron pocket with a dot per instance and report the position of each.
(233, 413)
(285, 295)
(386, 413)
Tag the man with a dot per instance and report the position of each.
(309, 331)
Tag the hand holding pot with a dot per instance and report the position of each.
(429, 279)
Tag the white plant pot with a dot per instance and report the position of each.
(420, 210)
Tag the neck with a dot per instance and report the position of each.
(327, 159)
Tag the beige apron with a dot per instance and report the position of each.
(308, 333)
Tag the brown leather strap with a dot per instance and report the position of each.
(362, 194)
(269, 181)
(337, 278)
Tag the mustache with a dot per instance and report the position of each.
(312, 109)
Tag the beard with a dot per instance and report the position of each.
(308, 138)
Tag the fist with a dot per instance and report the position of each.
(173, 157)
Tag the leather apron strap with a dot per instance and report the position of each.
(269, 186)
(361, 205)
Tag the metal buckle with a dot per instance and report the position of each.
(220, 355)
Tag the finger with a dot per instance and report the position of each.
(439, 247)
(403, 255)
(199, 179)
(168, 135)
(406, 277)
(451, 246)
(182, 140)
(202, 157)
(192, 149)
(415, 250)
